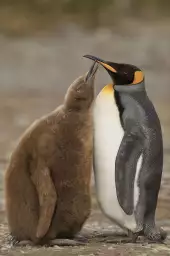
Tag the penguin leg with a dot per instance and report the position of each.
(47, 198)
(151, 231)
(152, 185)
(133, 236)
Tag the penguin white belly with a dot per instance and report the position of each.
(108, 134)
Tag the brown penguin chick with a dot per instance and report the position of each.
(47, 182)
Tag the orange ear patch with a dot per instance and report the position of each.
(108, 89)
(138, 77)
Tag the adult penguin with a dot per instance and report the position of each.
(128, 151)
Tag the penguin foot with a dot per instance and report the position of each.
(13, 241)
(24, 243)
(134, 235)
(66, 242)
(155, 234)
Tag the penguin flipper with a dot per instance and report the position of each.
(47, 199)
(125, 170)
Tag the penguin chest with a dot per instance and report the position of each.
(108, 134)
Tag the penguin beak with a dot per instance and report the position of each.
(91, 73)
(105, 64)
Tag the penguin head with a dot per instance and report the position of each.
(80, 94)
(121, 74)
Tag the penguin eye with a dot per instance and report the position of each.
(78, 89)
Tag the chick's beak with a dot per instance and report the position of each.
(91, 73)
(102, 62)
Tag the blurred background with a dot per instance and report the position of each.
(41, 47)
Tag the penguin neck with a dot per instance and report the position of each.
(132, 88)
(129, 95)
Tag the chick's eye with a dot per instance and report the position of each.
(78, 89)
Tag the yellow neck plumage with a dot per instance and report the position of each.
(107, 90)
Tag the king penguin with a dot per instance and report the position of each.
(47, 182)
(128, 151)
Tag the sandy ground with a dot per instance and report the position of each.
(102, 234)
